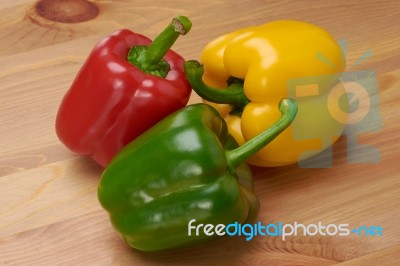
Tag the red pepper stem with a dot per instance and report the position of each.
(232, 94)
(180, 25)
(288, 109)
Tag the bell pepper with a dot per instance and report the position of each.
(245, 73)
(126, 85)
(185, 167)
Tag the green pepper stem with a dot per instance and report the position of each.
(288, 109)
(232, 94)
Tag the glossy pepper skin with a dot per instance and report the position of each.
(113, 100)
(246, 73)
(185, 167)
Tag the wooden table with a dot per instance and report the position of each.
(49, 213)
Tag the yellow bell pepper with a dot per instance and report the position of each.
(247, 72)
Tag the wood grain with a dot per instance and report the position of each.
(49, 213)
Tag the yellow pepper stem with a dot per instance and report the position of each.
(233, 94)
(288, 109)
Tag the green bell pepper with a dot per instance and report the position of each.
(185, 167)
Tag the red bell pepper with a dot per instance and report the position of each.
(126, 85)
